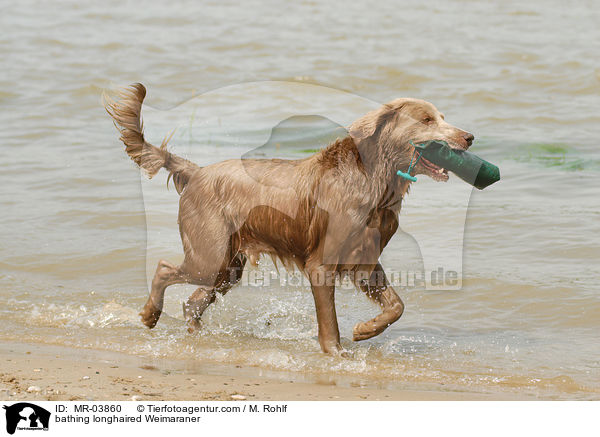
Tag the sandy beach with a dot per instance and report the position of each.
(42, 372)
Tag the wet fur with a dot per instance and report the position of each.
(329, 214)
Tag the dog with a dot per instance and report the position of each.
(329, 215)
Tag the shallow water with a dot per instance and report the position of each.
(75, 250)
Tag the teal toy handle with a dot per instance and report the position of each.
(406, 176)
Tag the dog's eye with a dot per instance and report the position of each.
(428, 120)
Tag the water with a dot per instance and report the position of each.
(522, 78)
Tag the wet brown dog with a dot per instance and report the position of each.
(329, 215)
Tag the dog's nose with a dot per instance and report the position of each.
(468, 138)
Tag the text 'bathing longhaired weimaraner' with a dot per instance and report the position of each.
(329, 215)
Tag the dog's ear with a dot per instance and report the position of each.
(367, 125)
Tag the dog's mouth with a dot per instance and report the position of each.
(434, 171)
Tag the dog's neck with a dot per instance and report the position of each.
(382, 161)
(377, 166)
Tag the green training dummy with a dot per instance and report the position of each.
(467, 166)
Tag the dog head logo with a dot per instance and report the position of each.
(26, 416)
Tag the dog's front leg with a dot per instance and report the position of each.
(377, 288)
(323, 288)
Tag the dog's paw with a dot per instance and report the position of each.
(346, 354)
(150, 317)
(363, 331)
(193, 325)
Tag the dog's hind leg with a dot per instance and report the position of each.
(166, 274)
(378, 289)
(204, 296)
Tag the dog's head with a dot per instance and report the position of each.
(394, 124)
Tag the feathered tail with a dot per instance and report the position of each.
(126, 112)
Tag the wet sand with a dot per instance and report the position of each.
(42, 372)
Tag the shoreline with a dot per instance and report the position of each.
(46, 372)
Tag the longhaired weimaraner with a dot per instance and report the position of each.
(330, 214)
